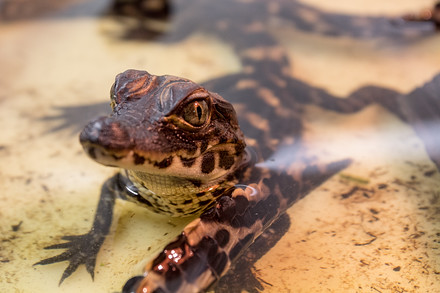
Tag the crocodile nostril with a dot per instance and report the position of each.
(91, 132)
(108, 133)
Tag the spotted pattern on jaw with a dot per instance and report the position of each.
(177, 196)
(208, 163)
(226, 161)
(187, 162)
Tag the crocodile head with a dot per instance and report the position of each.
(166, 125)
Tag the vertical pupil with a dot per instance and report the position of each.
(196, 113)
(199, 111)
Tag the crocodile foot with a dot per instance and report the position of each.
(81, 249)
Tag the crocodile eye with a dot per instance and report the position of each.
(113, 97)
(196, 113)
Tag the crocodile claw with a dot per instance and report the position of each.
(81, 249)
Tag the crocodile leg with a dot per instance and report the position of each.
(83, 249)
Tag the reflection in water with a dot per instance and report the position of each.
(191, 16)
(142, 20)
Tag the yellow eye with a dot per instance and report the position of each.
(112, 97)
(196, 113)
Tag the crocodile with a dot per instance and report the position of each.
(181, 152)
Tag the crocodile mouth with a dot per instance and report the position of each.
(110, 143)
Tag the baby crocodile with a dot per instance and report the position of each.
(181, 152)
(179, 147)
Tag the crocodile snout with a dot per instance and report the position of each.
(106, 133)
